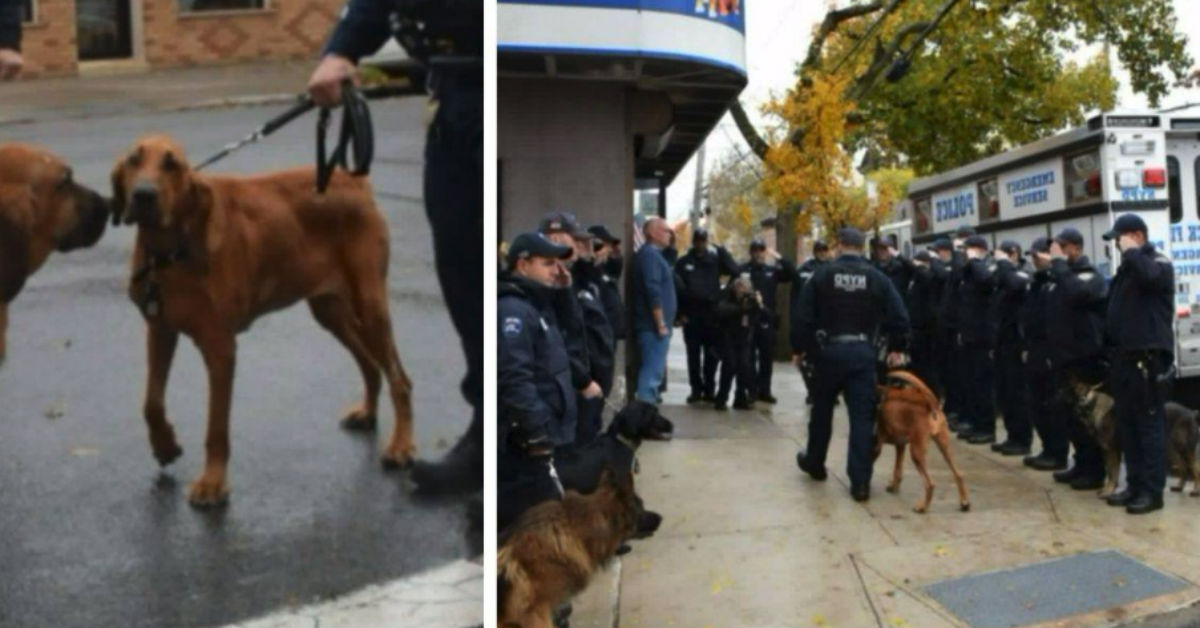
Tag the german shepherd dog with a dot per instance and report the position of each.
(1094, 407)
(551, 552)
(910, 414)
(1183, 435)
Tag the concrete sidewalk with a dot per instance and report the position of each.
(749, 540)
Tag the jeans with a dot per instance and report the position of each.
(654, 364)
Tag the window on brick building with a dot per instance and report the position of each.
(200, 6)
(27, 14)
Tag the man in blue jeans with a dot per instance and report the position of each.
(654, 308)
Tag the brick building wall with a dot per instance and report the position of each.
(286, 29)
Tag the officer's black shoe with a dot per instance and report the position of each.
(996, 447)
(720, 405)
(742, 404)
(709, 397)
(802, 462)
(1143, 504)
(1066, 477)
(694, 398)
(1013, 449)
(1047, 463)
(1121, 498)
(1084, 483)
(966, 433)
(461, 471)
(981, 438)
(860, 493)
(768, 398)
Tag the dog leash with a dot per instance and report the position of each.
(356, 140)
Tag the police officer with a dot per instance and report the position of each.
(699, 276)
(889, 262)
(609, 273)
(447, 37)
(957, 402)
(943, 337)
(841, 310)
(536, 400)
(1012, 392)
(922, 317)
(1074, 324)
(975, 343)
(586, 280)
(1139, 327)
(1035, 357)
(738, 313)
(767, 269)
(10, 40)
(820, 257)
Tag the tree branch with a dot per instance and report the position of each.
(832, 21)
(749, 133)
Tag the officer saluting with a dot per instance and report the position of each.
(767, 269)
(842, 308)
(536, 408)
(1140, 314)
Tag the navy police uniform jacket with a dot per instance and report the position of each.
(1033, 319)
(536, 396)
(1011, 286)
(736, 317)
(1141, 302)
(610, 297)
(766, 279)
(850, 297)
(899, 271)
(921, 302)
(1074, 311)
(597, 331)
(456, 26)
(948, 309)
(699, 279)
(974, 303)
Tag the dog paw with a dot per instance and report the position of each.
(167, 454)
(359, 420)
(208, 494)
(1194, 493)
(401, 459)
(893, 488)
(1177, 489)
(919, 510)
(965, 507)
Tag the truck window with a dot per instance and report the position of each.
(922, 220)
(989, 201)
(1082, 178)
(1174, 190)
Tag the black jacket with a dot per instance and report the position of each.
(921, 309)
(10, 24)
(899, 271)
(456, 25)
(1033, 320)
(948, 310)
(699, 279)
(766, 279)
(1007, 301)
(1074, 312)
(849, 296)
(535, 395)
(973, 314)
(1141, 302)
(610, 297)
(598, 333)
(737, 317)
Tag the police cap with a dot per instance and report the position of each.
(601, 233)
(1070, 235)
(529, 245)
(757, 244)
(820, 247)
(562, 222)
(1010, 247)
(1040, 245)
(700, 235)
(849, 236)
(943, 244)
(976, 242)
(1126, 223)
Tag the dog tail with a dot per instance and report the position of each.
(514, 589)
(935, 405)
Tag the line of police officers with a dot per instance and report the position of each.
(986, 330)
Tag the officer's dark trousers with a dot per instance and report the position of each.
(454, 206)
(1088, 458)
(1142, 422)
(521, 483)
(1043, 407)
(763, 358)
(951, 374)
(924, 363)
(1012, 392)
(736, 366)
(590, 420)
(848, 369)
(978, 388)
(703, 340)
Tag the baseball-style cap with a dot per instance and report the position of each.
(1070, 235)
(976, 242)
(1040, 245)
(700, 234)
(820, 247)
(601, 233)
(757, 244)
(1126, 223)
(851, 236)
(562, 222)
(964, 232)
(943, 244)
(529, 245)
(1010, 247)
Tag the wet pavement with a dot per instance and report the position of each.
(92, 533)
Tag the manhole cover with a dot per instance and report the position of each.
(1058, 588)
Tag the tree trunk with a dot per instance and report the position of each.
(785, 244)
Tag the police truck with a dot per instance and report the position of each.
(1119, 162)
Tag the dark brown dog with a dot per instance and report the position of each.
(909, 414)
(42, 210)
(551, 552)
(1094, 408)
(213, 253)
(1183, 436)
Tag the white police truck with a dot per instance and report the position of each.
(1144, 163)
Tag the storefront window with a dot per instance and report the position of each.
(199, 6)
(27, 14)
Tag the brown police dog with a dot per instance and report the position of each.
(552, 550)
(909, 414)
(42, 210)
(213, 253)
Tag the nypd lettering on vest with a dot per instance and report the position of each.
(847, 282)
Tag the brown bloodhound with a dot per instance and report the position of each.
(213, 253)
(42, 210)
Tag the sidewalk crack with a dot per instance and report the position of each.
(866, 591)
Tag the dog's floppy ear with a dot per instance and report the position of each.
(118, 192)
(204, 223)
(14, 247)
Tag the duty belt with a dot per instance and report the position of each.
(845, 339)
